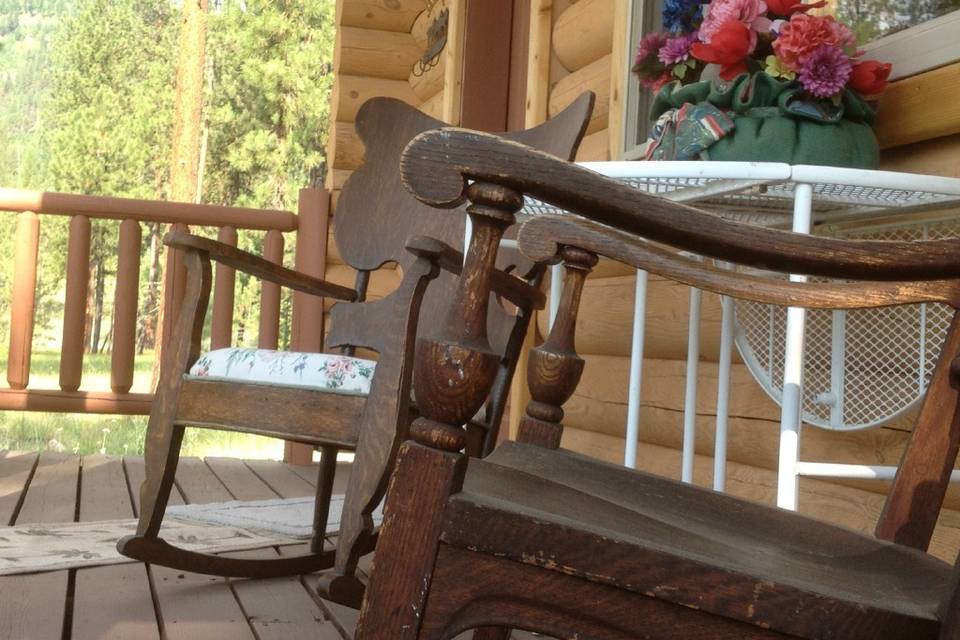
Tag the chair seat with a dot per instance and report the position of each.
(328, 372)
(692, 546)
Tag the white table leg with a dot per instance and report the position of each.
(723, 394)
(791, 410)
(636, 370)
(690, 393)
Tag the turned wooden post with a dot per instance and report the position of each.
(453, 374)
(554, 368)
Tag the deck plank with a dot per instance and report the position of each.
(281, 608)
(192, 605)
(15, 472)
(134, 468)
(34, 606)
(110, 602)
(279, 477)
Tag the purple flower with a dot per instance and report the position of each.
(676, 50)
(825, 71)
(649, 45)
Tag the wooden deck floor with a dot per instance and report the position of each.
(141, 602)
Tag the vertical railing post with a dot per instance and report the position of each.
(75, 303)
(221, 324)
(24, 300)
(311, 258)
(269, 334)
(126, 300)
(306, 331)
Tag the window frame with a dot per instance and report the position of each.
(914, 50)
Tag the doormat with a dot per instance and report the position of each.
(207, 528)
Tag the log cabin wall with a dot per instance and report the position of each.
(377, 45)
(919, 130)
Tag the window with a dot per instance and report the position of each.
(915, 35)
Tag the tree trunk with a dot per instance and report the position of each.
(188, 106)
(149, 306)
(188, 112)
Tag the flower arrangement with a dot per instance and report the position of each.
(777, 37)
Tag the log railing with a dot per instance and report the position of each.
(309, 226)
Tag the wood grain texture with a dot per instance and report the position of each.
(570, 528)
(308, 415)
(914, 503)
(595, 77)
(374, 53)
(258, 266)
(542, 237)
(350, 92)
(385, 15)
(75, 303)
(110, 602)
(397, 594)
(938, 157)
(474, 589)
(845, 506)
(125, 307)
(36, 605)
(441, 160)
(583, 33)
(16, 470)
(639, 532)
(919, 108)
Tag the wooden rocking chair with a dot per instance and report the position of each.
(349, 403)
(543, 539)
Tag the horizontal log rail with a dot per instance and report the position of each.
(205, 215)
(309, 225)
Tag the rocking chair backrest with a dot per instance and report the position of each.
(376, 215)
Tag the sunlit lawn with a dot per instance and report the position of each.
(114, 435)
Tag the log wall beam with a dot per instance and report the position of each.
(593, 77)
(583, 33)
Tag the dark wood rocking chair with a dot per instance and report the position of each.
(375, 218)
(543, 539)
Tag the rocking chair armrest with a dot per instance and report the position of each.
(256, 266)
(437, 166)
(503, 284)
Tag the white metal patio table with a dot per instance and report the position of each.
(781, 195)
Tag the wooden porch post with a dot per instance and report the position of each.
(313, 222)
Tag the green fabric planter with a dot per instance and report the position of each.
(772, 121)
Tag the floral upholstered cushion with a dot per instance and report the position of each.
(335, 373)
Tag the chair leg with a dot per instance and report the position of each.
(321, 509)
(161, 453)
(396, 596)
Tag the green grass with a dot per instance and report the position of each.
(114, 435)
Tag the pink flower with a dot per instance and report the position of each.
(649, 47)
(676, 50)
(728, 48)
(750, 13)
(825, 71)
(803, 34)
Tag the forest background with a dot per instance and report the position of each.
(87, 95)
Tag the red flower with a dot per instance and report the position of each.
(869, 77)
(728, 48)
(790, 7)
